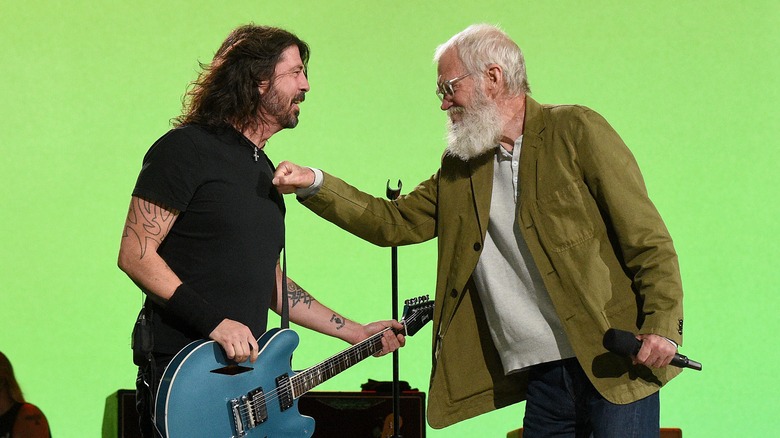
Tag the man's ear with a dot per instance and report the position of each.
(263, 86)
(495, 78)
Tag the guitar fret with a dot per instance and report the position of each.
(306, 380)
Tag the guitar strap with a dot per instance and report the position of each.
(279, 199)
(285, 300)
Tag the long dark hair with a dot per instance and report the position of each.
(226, 91)
(8, 379)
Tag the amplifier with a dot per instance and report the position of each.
(363, 414)
(120, 419)
(354, 414)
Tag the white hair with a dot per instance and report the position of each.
(480, 45)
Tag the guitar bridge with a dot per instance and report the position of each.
(248, 411)
(238, 418)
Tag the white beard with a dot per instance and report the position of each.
(478, 131)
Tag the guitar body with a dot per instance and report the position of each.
(200, 392)
(203, 394)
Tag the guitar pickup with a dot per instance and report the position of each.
(285, 392)
(248, 411)
(257, 406)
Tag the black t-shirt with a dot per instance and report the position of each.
(8, 419)
(227, 238)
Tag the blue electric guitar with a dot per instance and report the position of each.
(204, 394)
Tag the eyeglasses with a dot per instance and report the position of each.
(445, 88)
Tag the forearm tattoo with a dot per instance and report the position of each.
(297, 295)
(147, 223)
(340, 322)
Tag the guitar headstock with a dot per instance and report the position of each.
(417, 312)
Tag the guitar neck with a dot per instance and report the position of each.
(307, 379)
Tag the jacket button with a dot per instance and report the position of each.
(454, 293)
(477, 246)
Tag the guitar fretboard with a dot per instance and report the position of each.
(305, 380)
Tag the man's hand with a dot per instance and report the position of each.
(236, 339)
(656, 351)
(290, 176)
(390, 341)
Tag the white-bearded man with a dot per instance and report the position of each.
(540, 253)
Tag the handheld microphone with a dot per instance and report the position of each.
(624, 343)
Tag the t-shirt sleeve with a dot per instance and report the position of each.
(170, 172)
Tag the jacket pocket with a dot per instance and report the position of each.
(621, 314)
(565, 216)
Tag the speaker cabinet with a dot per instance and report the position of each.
(363, 414)
(354, 414)
(120, 419)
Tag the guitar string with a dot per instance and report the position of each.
(246, 409)
(367, 346)
(360, 348)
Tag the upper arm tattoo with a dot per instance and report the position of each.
(148, 223)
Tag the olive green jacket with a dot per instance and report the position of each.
(603, 251)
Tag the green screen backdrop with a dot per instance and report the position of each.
(87, 87)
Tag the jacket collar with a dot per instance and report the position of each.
(481, 171)
(532, 142)
(534, 119)
(481, 168)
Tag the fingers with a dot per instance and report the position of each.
(390, 341)
(241, 350)
(290, 176)
(255, 349)
(283, 170)
(237, 341)
(396, 340)
(283, 173)
(656, 351)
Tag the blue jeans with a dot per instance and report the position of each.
(561, 402)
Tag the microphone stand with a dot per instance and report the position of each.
(392, 195)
